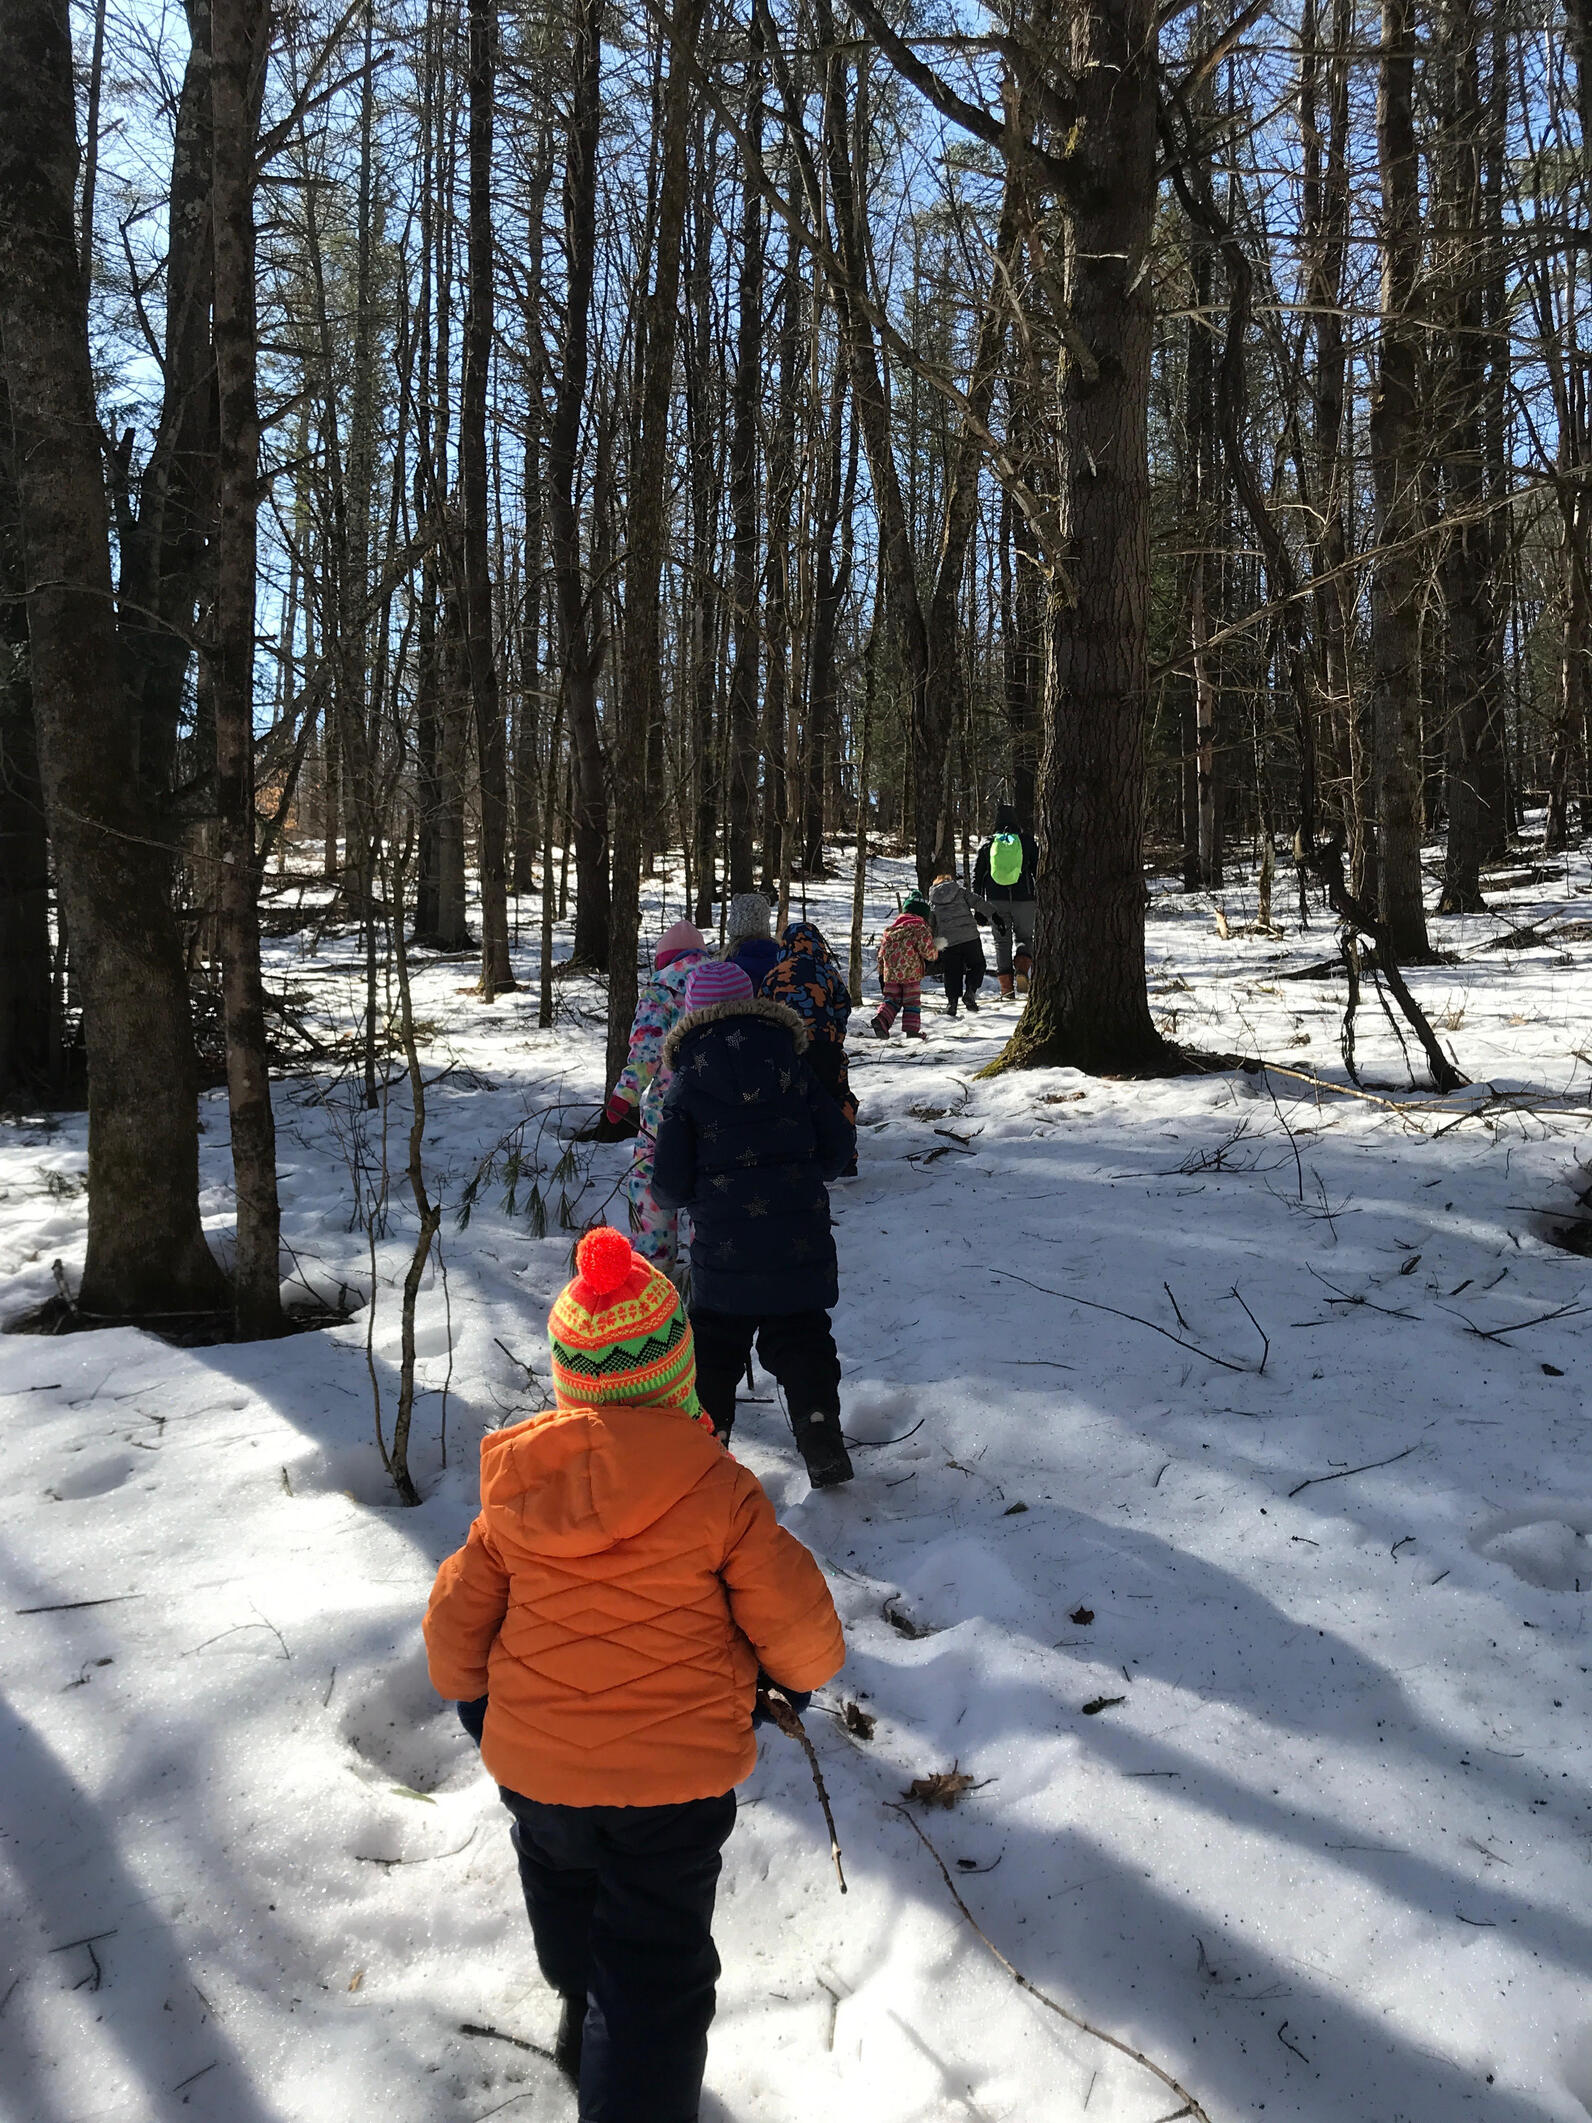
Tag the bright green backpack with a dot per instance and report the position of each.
(1005, 859)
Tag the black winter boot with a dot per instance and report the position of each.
(972, 1003)
(824, 1450)
(567, 2042)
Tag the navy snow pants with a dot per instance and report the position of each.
(620, 1900)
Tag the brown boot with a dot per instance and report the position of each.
(1021, 963)
(1005, 980)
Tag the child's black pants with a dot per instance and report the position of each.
(961, 967)
(620, 1900)
(797, 1347)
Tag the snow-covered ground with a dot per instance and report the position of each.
(1324, 1853)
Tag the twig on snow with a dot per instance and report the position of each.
(1343, 1473)
(1265, 1340)
(496, 2034)
(1496, 1334)
(783, 1712)
(1191, 2107)
(1072, 1298)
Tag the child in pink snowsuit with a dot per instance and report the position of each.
(906, 951)
(654, 1232)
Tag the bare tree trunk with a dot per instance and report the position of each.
(741, 783)
(237, 78)
(29, 1062)
(1459, 383)
(1087, 1006)
(1326, 234)
(640, 694)
(528, 724)
(491, 755)
(1396, 467)
(146, 1247)
(702, 601)
(579, 633)
(838, 495)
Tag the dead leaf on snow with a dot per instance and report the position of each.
(943, 1788)
(858, 1721)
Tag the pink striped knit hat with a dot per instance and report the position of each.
(716, 980)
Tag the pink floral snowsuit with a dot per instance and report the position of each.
(654, 1232)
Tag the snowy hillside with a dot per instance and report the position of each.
(1280, 1767)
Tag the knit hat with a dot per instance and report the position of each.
(716, 980)
(750, 915)
(675, 943)
(618, 1332)
(915, 903)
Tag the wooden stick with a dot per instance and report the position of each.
(1190, 2107)
(783, 1712)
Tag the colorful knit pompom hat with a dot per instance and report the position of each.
(619, 1333)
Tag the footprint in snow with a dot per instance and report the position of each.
(97, 1477)
(1546, 1547)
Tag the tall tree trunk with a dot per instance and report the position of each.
(237, 78)
(746, 618)
(579, 633)
(1087, 1006)
(146, 1247)
(778, 601)
(702, 600)
(1396, 468)
(528, 724)
(1459, 384)
(640, 693)
(491, 752)
(1326, 236)
(837, 505)
(28, 1056)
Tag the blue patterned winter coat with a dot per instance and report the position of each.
(747, 1139)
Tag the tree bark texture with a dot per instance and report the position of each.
(1087, 1007)
(580, 637)
(741, 780)
(1396, 470)
(640, 692)
(475, 484)
(236, 79)
(146, 1246)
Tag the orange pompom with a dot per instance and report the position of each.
(603, 1260)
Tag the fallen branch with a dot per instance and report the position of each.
(1190, 2107)
(1496, 1334)
(783, 1712)
(496, 2034)
(1343, 1473)
(1070, 1297)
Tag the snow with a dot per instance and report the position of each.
(1326, 1851)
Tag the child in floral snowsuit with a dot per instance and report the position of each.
(906, 951)
(654, 1232)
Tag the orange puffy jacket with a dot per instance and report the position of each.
(614, 1600)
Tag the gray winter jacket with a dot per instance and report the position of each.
(953, 917)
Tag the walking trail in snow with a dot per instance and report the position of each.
(1279, 1769)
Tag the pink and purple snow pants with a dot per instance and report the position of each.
(905, 996)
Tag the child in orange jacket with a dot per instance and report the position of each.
(603, 1631)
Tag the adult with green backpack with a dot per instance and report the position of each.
(1005, 886)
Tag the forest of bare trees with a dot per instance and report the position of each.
(473, 451)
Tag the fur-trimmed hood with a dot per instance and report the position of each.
(715, 1013)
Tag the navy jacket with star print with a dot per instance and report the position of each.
(747, 1139)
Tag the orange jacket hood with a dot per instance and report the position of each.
(576, 1481)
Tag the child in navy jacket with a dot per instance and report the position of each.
(747, 1141)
